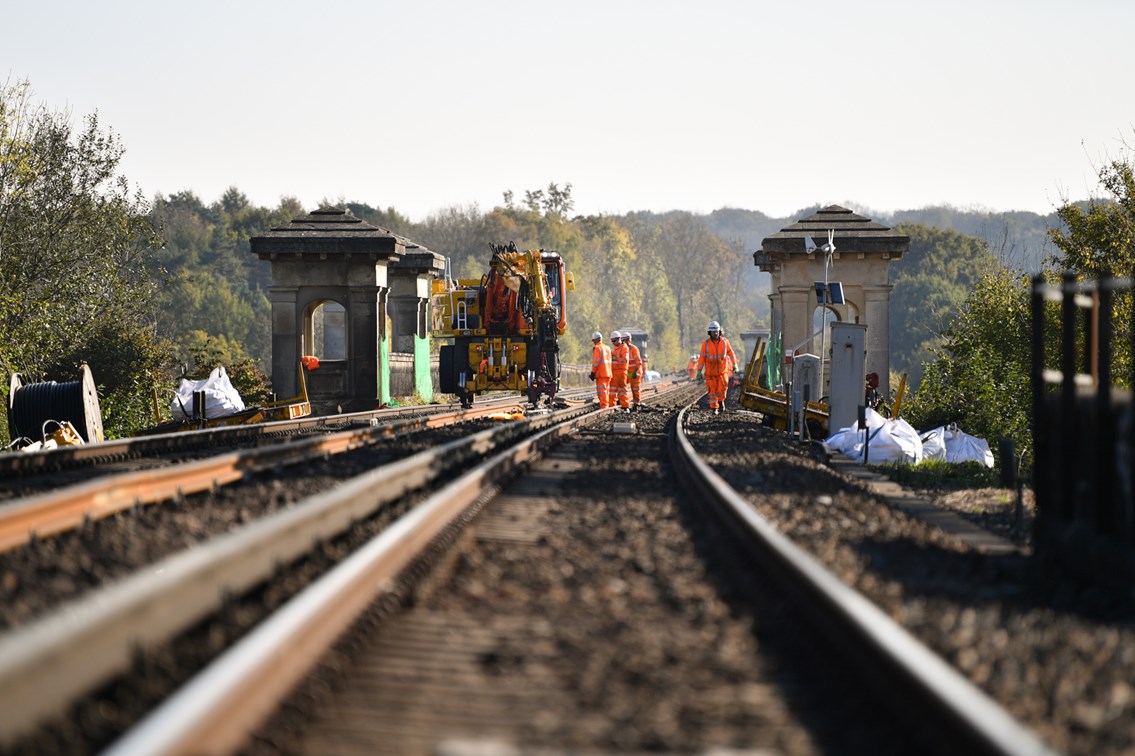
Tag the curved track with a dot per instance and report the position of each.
(224, 704)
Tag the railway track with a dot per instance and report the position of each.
(143, 607)
(24, 473)
(600, 704)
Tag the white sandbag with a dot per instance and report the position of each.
(891, 441)
(962, 447)
(845, 439)
(221, 399)
(949, 444)
(896, 442)
(934, 444)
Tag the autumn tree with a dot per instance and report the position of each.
(704, 272)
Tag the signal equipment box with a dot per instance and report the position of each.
(849, 374)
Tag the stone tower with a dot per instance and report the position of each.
(333, 278)
(863, 251)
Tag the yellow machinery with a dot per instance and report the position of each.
(774, 405)
(504, 327)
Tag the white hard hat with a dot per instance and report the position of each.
(596, 336)
(714, 326)
(616, 335)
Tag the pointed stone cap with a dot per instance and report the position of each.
(330, 231)
(854, 235)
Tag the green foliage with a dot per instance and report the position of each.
(934, 473)
(1099, 238)
(212, 281)
(206, 352)
(127, 363)
(1098, 241)
(390, 219)
(76, 245)
(980, 377)
(704, 275)
(930, 282)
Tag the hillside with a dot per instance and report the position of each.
(1017, 237)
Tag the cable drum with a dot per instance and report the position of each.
(32, 405)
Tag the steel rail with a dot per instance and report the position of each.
(220, 708)
(58, 511)
(956, 707)
(49, 663)
(24, 463)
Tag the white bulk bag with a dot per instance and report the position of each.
(221, 398)
(891, 441)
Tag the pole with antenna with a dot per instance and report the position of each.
(828, 249)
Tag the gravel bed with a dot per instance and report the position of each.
(1057, 653)
(666, 640)
(39, 576)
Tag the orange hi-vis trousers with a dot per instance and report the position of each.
(621, 389)
(716, 385)
(603, 391)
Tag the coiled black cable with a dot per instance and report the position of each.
(35, 404)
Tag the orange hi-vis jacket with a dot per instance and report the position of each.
(620, 359)
(636, 366)
(601, 361)
(717, 358)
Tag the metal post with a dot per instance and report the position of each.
(804, 413)
(829, 248)
(1007, 455)
(790, 408)
(1107, 512)
(1042, 465)
(199, 408)
(1068, 448)
(866, 431)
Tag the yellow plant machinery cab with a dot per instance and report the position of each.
(504, 326)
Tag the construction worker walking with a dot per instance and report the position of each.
(601, 370)
(636, 368)
(717, 362)
(620, 366)
(692, 368)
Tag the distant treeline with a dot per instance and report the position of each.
(668, 273)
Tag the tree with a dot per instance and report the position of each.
(980, 378)
(1098, 241)
(930, 284)
(76, 243)
(1099, 236)
(695, 262)
(556, 201)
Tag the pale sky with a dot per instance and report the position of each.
(660, 105)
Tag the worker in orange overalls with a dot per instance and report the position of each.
(717, 362)
(620, 366)
(636, 368)
(601, 370)
(692, 368)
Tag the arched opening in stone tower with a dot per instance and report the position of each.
(822, 318)
(325, 330)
